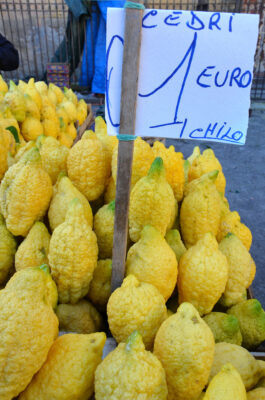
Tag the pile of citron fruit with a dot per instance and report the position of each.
(181, 318)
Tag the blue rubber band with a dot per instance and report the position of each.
(132, 4)
(126, 138)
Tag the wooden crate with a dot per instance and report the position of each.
(86, 124)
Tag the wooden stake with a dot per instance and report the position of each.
(130, 71)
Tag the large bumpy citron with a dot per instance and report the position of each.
(81, 317)
(63, 193)
(200, 209)
(34, 249)
(203, 274)
(136, 306)
(68, 372)
(240, 264)
(100, 286)
(86, 165)
(130, 372)
(227, 384)
(152, 202)
(204, 163)
(247, 366)
(230, 223)
(15, 100)
(73, 254)
(185, 346)
(7, 251)
(25, 193)
(28, 327)
(153, 261)
(224, 327)
(104, 229)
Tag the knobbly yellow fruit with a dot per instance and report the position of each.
(71, 130)
(104, 229)
(241, 359)
(100, 286)
(81, 317)
(207, 162)
(256, 394)
(86, 166)
(68, 372)
(52, 96)
(224, 327)
(185, 346)
(129, 373)
(32, 109)
(65, 139)
(70, 109)
(153, 261)
(53, 155)
(63, 193)
(25, 193)
(23, 149)
(239, 261)
(58, 92)
(28, 327)
(203, 274)
(174, 240)
(110, 192)
(109, 143)
(48, 111)
(8, 137)
(34, 249)
(51, 127)
(33, 93)
(42, 87)
(252, 273)
(73, 254)
(3, 155)
(174, 167)
(31, 128)
(16, 102)
(227, 384)
(152, 202)
(142, 160)
(7, 251)
(200, 209)
(230, 223)
(70, 95)
(251, 317)
(62, 114)
(81, 111)
(136, 306)
(3, 85)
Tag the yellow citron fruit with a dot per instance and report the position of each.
(61, 113)
(25, 193)
(252, 273)
(200, 209)
(73, 254)
(22, 86)
(104, 229)
(81, 317)
(86, 165)
(110, 192)
(33, 93)
(16, 102)
(203, 274)
(3, 85)
(226, 385)
(51, 127)
(34, 249)
(81, 111)
(207, 162)
(32, 109)
(230, 222)
(11, 122)
(241, 359)
(152, 202)
(7, 251)
(109, 143)
(70, 109)
(136, 306)
(27, 322)
(142, 160)
(224, 327)
(153, 261)
(71, 130)
(185, 346)
(173, 238)
(23, 149)
(256, 394)
(70, 95)
(173, 163)
(41, 87)
(3, 154)
(63, 193)
(53, 155)
(58, 92)
(52, 96)
(130, 372)
(65, 139)
(31, 128)
(68, 372)
(240, 264)
(48, 110)
(100, 286)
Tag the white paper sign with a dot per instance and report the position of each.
(196, 70)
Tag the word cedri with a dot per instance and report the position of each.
(194, 22)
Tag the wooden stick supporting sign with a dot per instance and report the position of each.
(130, 71)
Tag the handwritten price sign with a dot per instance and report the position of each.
(196, 70)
